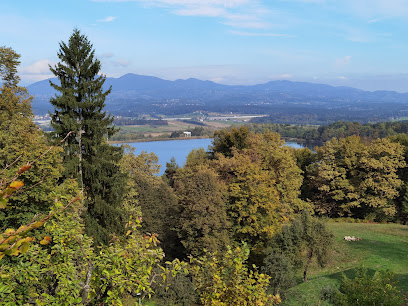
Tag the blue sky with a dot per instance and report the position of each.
(358, 43)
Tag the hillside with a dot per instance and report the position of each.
(383, 246)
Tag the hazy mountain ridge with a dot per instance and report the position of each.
(132, 92)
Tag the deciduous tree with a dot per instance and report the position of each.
(295, 247)
(202, 221)
(355, 178)
(224, 279)
(149, 196)
(21, 139)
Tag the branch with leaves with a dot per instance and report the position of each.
(14, 242)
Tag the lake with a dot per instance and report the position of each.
(178, 149)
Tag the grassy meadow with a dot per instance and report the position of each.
(383, 246)
(176, 124)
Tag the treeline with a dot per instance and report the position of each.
(194, 122)
(133, 121)
(340, 129)
(323, 113)
(304, 132)
(197, 131)
(130, 135)
(368, 131)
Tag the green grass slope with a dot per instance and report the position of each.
(383, 246)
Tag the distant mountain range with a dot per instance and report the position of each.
(139, 94)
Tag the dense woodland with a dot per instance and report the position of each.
(340, 129)
(84, 222)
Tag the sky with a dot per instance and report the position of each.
(357, 43)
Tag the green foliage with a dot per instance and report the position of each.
(369, 131)
(254, 205)
(126, 266)
(21, 140)
(263, 183)
(294, 248)
(51, 274)
(176, 290)
(197, 157)
(79, 108)
(14, 242)
(9, 60)
(153, 198)
(402, 200)
(340, 129)
(170, 171)
(69, 271)
(364, 289)
(202, 218)
(307, 132)
(224, 279)
(225, 140)
(355, 178)
(281, 163)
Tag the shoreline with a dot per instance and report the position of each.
(156, 139)
(286, 139)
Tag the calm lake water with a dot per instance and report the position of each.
(178, 149)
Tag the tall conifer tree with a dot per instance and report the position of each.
(87, 156)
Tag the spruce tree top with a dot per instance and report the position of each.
(82, 97)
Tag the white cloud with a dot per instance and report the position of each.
(342, 77)
(248, 14)
(107, 19)
(38, 67)
(35, 72)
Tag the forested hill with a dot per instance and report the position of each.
(150, 94)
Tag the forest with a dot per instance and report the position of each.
(87, 223)
(340, 129)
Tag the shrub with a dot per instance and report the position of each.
(364, 289)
